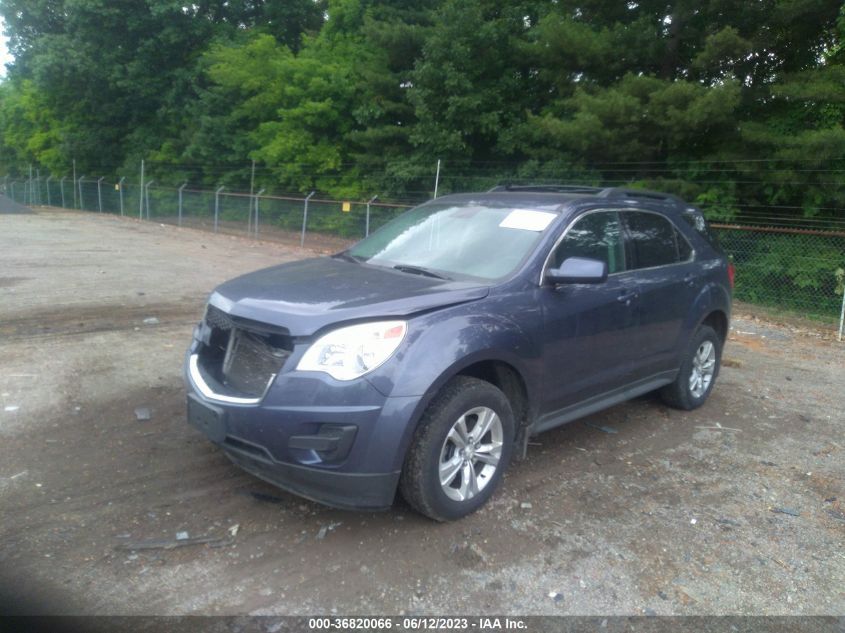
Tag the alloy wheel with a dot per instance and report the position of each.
(470, 453)
(703, 369)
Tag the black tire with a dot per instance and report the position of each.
(679, 394)
(420, 481)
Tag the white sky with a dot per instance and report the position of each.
(5, 58)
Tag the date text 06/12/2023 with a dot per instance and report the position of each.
(421, 623)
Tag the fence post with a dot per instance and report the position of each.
(100, 193)
(145, 195)
(251, 192)
(5, 184)
(38, 186)
(29, 187)
(120, 192)
(217, 206)
(184, 184)
(305, 219)
(12, 185)
(367, 219)
(842, 316)
(81, 202)
(257, 196)
(437, 178)
(49, 202)
(141, 196)
(62, 188)
(74, 183)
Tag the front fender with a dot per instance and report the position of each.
(440, 346)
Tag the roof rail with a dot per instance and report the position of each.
(624, 192)
(547, 188)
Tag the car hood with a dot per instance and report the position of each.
(306, 296)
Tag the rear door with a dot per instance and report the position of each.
(589, 328)
(668, 280)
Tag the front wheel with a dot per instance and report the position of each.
(460, 450)
(698, 372)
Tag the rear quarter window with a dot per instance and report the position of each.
(697, 221)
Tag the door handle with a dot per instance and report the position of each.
(627, 297)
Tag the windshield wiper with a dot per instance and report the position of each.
(350, 258)
(419, 270)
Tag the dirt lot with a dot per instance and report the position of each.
(737, 508)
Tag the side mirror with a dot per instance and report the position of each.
(578, 270)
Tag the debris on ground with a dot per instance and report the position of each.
(719, 427)
(11, 408)
(171, 544)
(143, 414)
(468, 554)
(554, 595)
(604, 429)
(731, 362)
(20, 474)
(325, 529)
(182, 536)
(836, 514)
(525, 505)
(151, 321)
(233, 530)
(791, 512)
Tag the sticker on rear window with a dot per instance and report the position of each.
(527, 220)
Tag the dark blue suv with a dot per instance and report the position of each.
(425, 356)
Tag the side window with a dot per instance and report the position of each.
(684, 249)
(596, 235)
(654, 241)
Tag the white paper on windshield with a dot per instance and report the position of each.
(527, 220)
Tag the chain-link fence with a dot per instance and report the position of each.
(321, 224)
(785, 268)
(797, 270)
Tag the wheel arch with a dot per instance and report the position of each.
(718, 320)
(501, 372)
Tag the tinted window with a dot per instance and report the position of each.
(684, 249)
(653, 239)
(597, 236)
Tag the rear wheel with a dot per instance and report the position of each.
(698, 372)
(460, 450)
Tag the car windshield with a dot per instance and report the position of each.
(456, 240)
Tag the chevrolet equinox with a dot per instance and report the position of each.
(424, 357)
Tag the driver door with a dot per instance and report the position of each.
(589, 328)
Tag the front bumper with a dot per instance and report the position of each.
(338, 443)
(349, 491)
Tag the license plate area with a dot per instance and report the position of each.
(207, 418)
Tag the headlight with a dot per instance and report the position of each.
(350, 352)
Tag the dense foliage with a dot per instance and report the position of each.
(738, 105)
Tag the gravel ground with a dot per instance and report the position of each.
(737, 508)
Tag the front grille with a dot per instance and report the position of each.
(250, 362)
(238, 359)
(216, 318)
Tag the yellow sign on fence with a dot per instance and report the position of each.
(346, 207)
